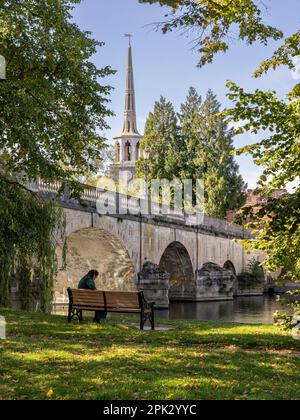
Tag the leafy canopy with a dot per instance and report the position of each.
(52, 109)
(277, 223)
(195, 144)
(161, 140)
(52, 106)
(214, 21)
(30, 230)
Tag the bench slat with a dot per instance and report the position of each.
(91, 301)
(87, 294)
(119, 302)
(89, 308)
(122, 300)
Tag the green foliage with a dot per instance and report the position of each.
(30, 230)
(278, 153)
(282, 56)
(52, 108)
(277, 234)
(24, 274)
(161, 140)
(276, 226)
(214, 20)
(291, 318)
(252, 277)
(51, 104)
(224, 187)
(195, 144)
(191, 122)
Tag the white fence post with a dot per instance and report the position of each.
(2, 328)
(2, 68)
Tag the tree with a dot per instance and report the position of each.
(104, 169)
(30, 230)
(277, 224)
(224, 187)
(209, 154)
(195, 144)
(191, 133)
(51, 106)
(253, 276)
(213, 21)
(52, 103)
(162, 142)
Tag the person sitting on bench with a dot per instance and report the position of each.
(88, 282)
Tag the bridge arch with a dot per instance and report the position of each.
(228, 265)
(95, 248)
(176, 261)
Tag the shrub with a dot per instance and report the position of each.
(252, 277)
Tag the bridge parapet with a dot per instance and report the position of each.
(223, 226)
(126, 205)
(40, 186)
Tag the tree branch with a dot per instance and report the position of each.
(20, 186)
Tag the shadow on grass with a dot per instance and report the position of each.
(137, 372)
(39, 327)
(197, 360)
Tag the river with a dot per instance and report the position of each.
(248, 310)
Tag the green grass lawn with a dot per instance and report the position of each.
(44, 357)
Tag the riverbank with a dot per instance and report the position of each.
(44, 357)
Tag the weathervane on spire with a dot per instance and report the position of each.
(129, 36)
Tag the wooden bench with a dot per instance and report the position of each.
(118, 302)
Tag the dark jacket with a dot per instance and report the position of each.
(87, 283)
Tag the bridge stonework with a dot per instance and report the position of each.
(167, 256)
(169, 244)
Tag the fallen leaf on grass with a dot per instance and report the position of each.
(50, 393)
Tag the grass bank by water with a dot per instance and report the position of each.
(44, 357)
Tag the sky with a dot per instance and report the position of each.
(167, 64)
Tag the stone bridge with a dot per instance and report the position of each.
(163, 255)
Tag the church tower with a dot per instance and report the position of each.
(128, 141)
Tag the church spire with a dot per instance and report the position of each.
(128, 141)
(130, 125)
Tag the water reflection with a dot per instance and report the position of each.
(248, 310)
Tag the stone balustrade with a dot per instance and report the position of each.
(129, 205)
